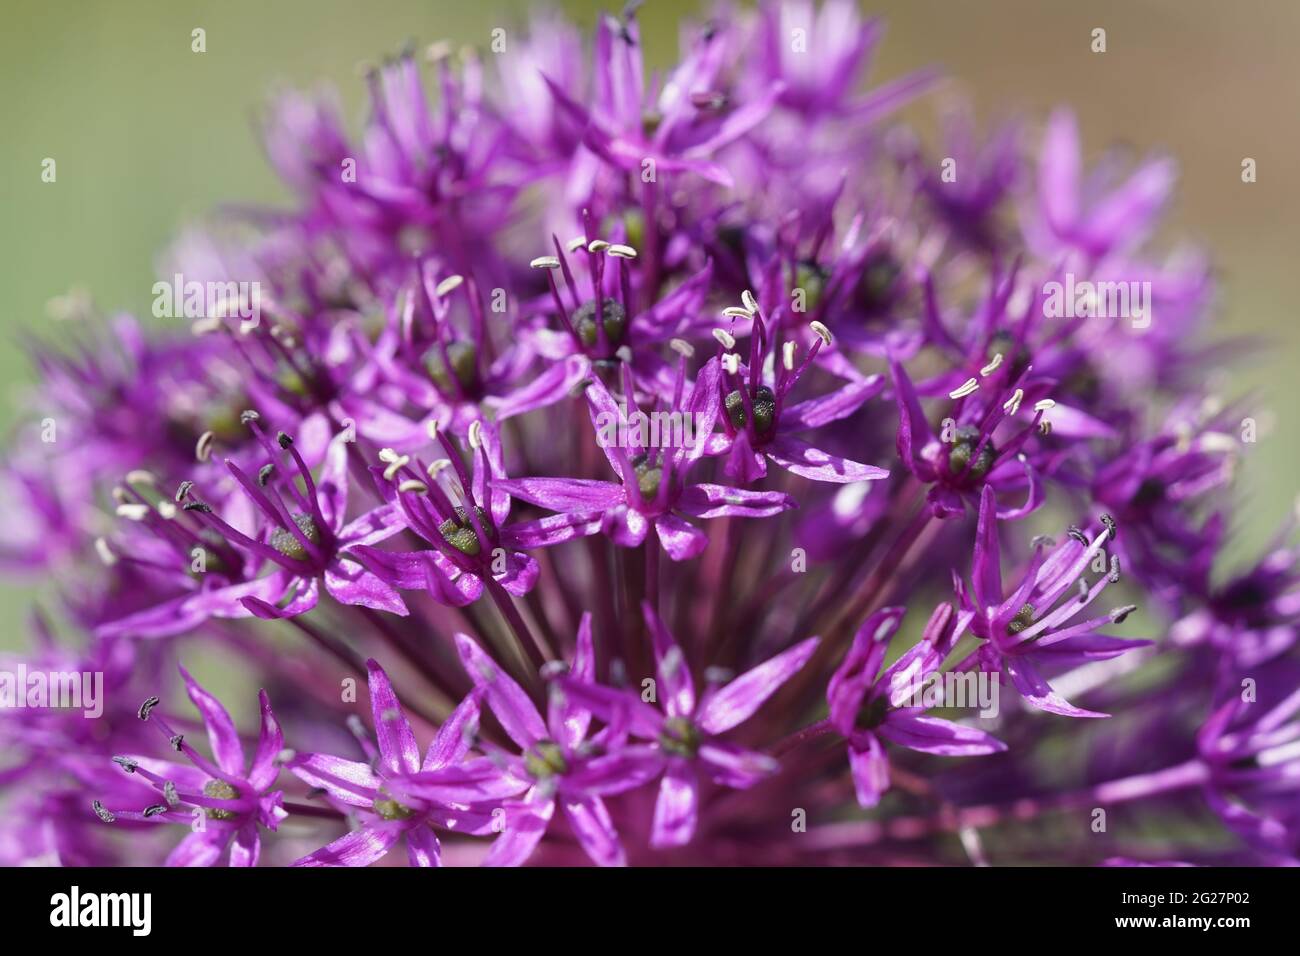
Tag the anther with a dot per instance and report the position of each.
(169, 793)
(132, 512)
(449, 284)
(1044, 405)
(993, 365)
(126, 763)
(1110, 525)
(821, 332)
(413, 486)
(203, 447)
(105, 553)
(1012, 404)
(545, 262)
(968, 387)
(284, 440)
(621, 251)
(1113, 577)
(727, 340)
(1078, 535)
(395, 466)
(147, 707)
(787, 356)
(264, 474)
(1118, 615)
(737, 312)
(101, 812)
(154, 810)
(475, 434)
(748, 301)
(682, 347)
(142, 477)
(597, 245)
(176, 741)
(576, 243)
(183, 490)
(247, 416)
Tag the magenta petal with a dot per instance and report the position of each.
(350, 583)
(870, 769)
(509, 703)
(986, 572)
(564, 494)
(358, 848)
(1034, 689)
(676, 688)
(715, 501)
(393, 731)
(378, 524)
(832, 407)
(203, 848)
(303, 601)
(681, 539)
(524, 830)
(732, 766)
(568, 720)
(616, 705)
(455, 736)
(422, 847)
(347, 781)
(933, 735)
(808, 462)
(246, 846)
(270, 742)
(221, 729)
(551, 386)
(736, 702)
(553, 529)
(520, 574)
(624, 769)
(677, 806)
(591, 823)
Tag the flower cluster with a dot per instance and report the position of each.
(678, 446)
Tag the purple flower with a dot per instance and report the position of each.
(686, 732)
(758, 422)
(226, 802)
(1027, 630)
(869, 705)
(653, 490)
(558, 761)
(376, 791)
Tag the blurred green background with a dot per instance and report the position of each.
(148, 135)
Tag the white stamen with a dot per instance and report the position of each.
(413, 485)
(623, 354)
(475, 434)
(787, 356)
(448, 284)
(166, 510)
(437, 466)
(1012, 404)
(395, 466)
(1045, 427)
(545, 262)
(597, 245)
(682, 347)
(731, 363)
(968, 387)
(736, 312)
(105, 552)
(387, 455)
(993, 365)
(141, 477)
(822, 332)
(748, 301)
(132, 512)
(727, 340)
(621, 251)
(431, 428)
(203, 447)
(1044, 405)
(576, 243)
